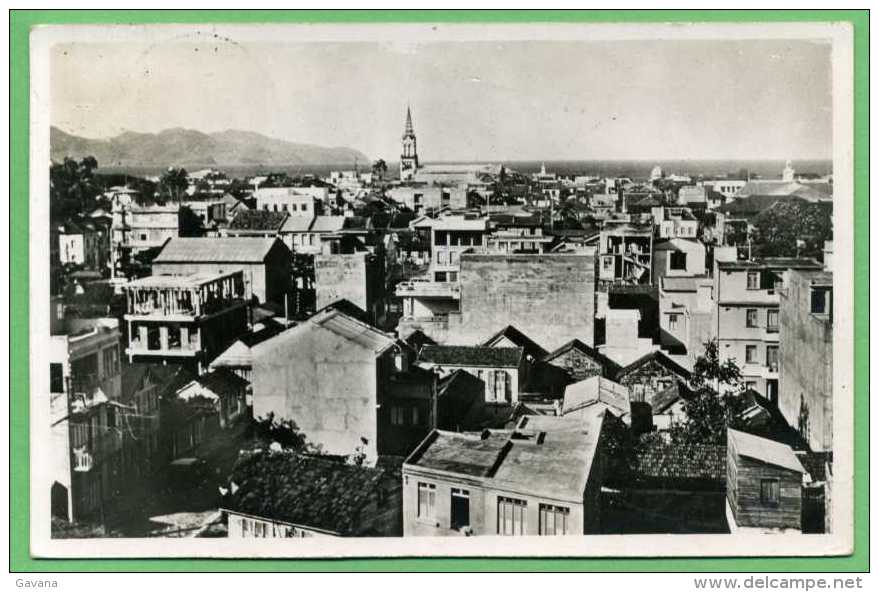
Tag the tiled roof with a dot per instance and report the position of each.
(215, 250)
(461, 355)
(764, 450)
(309, 491)
(258, 220)
(223, 382)
(669, 462)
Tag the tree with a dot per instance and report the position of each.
(792, 228)
(173, 183)
(715, 403)
(188, 222)
(73, 188)
(379, 168)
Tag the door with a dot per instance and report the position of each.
(460, 508)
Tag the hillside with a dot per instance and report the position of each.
(184, 147)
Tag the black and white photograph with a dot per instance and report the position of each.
(441, 290)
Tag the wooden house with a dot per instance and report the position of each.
(764, 483)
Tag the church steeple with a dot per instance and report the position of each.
(410, 130)
(409, 153)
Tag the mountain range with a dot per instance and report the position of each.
(188, 148)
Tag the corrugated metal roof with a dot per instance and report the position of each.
(353, 330)
(765, 450)
(219, 250)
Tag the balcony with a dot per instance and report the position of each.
(139, 347)
(429, 289)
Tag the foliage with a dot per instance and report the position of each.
(792, 228)
(173, 184)
(715, 403)
(379, 168)
(359, 455)
(268, 431)
(73, 188)
(189, 224)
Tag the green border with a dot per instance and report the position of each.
(21, 21)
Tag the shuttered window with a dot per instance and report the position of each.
(553, 520)
(511, 516)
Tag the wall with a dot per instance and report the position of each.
(323, 382)
(550, 298)
(806, 365)
(483, 507)
(352, 277)
(743, 493)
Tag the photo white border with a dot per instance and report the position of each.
(839, 542)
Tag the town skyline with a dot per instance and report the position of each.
(780, 110)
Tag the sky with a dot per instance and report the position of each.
(492, 101)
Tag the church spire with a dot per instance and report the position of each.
(410, 130)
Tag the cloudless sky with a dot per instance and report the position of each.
(525, 100)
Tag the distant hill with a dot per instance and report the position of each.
(184, 147)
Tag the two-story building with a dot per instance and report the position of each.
(296, 201)
(515, 233)
(747, 317)
(542, 478)
(625, 252)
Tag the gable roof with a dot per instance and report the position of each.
(518, 338)
(309, 491)
(658, 357)
(258, 220)
(764, 450)
(471, 355)
(610, 367)
(597, 390)
(328, 223)
(216, 250)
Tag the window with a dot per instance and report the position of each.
(751, 318)
(460, 509)
(820, 301)
(753, 280)
(501, 385)
(677, 261)
(111, 416)
(441, 238)
(772, 358)
(56, 378)
(416, 418)
(750, 354)
(441, 257)
(607, 263)
(673, 320)
(553, 520)
(305, 207)
(772, 320)
(397, 417)
(426, 501)
(751, 385)
(511, 516)
(476, 240)
(439, 276)
(770, 491)
(453, 276)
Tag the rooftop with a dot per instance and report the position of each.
(308, 491)
(597, 390)
(770, 263)
(552, 463)
(215, 250)
(476, 355)
(764, 450)
(193, 280)
(258, 220)
(517, 337)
